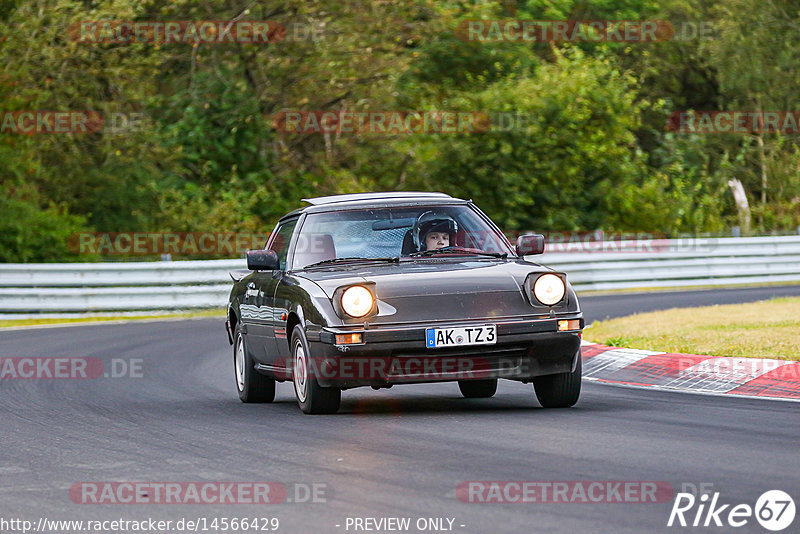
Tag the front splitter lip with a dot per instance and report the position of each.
(512, 373)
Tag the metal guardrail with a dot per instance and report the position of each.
(103, 287)
(609, 265)
(678, 262)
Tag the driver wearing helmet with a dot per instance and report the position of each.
(434, 231)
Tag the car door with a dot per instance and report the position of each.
(260, 293)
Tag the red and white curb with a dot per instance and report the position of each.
(751, 377)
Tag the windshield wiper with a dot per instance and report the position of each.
(458, 250)
(355, 259)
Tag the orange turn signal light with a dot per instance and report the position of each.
(349, 339)
(569, 324)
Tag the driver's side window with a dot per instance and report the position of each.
(280, 241)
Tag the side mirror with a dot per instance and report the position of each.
(262, 260)
(530, 244)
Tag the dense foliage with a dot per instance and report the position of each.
(590, 149)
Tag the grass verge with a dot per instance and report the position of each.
(104, 318)
(766, 329)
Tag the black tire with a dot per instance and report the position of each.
(311, 397)
(478, 389)
(252, 386)
(561, 390)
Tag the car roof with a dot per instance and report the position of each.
(373, 200)
(373, 196)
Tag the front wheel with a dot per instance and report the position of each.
(478, 389)
(312, 398)
(560, 390)
(252, 385)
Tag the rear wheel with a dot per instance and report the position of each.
(560, 390)
(478, 389)
(312, 398)
(251, 385)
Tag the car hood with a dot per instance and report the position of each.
(440, 289)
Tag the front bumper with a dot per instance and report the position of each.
(397, 354)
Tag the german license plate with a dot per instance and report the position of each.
(460, 337)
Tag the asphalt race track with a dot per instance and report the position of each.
(390, 453)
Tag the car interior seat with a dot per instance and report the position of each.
(408, 244)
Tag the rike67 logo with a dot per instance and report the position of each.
(774, 510)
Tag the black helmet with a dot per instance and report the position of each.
(432, 222)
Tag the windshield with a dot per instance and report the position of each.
(395, 232)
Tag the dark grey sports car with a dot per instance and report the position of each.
(378, 289)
